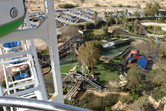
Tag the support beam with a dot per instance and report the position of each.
(54, 53)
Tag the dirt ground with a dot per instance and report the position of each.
(37, 5)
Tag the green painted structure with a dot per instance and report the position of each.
(6, 29)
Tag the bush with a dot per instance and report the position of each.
(100, 23)
(129, 6)
(64, 91)
(82, 1)
(131, 28)
(110, 100)
(124, 99)
(158, 94)
(158, 28)
(66, 6)
(108, 109)
(96, 103)
(3, 84)
(120, 5)
(164, 32)
(89, 25)
(149, 27)
(97, 5)
(80, 26)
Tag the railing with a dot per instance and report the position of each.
(37, 105)
(86, 79)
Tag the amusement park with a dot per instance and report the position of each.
(68, 57)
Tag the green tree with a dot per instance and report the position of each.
(89, 54)
(158, 76)
(135, 78)
(159, 92)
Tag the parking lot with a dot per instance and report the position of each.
(72, 16)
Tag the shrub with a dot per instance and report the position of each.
(164, 32)
(89, 25)
(100, 23)
(108, 109)
(110, 99)
(64, 91)
(96, 103)
(82, 1)
(120, 5)
(129, 6)
(3, 84)
(149, 27)
(80, 26)
(158, 94)
(97, 5)
(124, 99)
(158, 28)
(66, 6)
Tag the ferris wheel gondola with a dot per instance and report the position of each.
(12, 14)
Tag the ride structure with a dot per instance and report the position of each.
(12, 15)
(27, 84)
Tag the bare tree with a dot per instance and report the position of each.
(67, 32)
(149, 50)
(138, 28)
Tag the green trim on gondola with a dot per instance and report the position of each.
(6, 29)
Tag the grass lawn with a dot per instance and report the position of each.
(105, 75)
(97, 32)
(66, 68)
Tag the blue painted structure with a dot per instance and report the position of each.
(21, 76)
(12, 44)
(17, 62)
(142, 62)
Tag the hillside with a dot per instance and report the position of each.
(36, 5)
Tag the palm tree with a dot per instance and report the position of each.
(117, 13)
(126, 11)
(122, 14)
(95, 16)
(110, 19)
(117, 20)
(106, 17)
(121, 19)
(125, 21)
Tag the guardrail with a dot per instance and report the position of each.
(37, 105)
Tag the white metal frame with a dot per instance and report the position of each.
(47, 32)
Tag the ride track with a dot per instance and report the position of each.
(78, 84)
